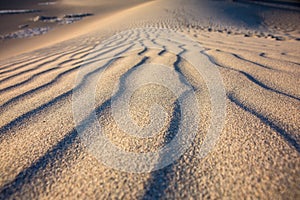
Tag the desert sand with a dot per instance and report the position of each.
(48, 145)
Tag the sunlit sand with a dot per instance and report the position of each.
(254, 47)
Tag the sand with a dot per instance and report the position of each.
(57, 31)
(47, 152)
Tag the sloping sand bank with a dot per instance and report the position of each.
(44, 154)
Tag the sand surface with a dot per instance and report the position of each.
(48, 152)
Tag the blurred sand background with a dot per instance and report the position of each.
(254, 45)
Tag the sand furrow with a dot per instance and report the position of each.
(36, 66)
(57, 149)
(11, 120)
(34, 61)
(59, 65)
(170, 99)
(256, 81)
(287, 137)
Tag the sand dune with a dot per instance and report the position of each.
(151, 60)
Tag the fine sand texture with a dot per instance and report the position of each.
(50, 150)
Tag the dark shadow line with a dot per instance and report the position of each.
(179, 71)
(251, 78)
(162, 52)
(27, 80)
(120, 40)
(60, 55)
(291, 141)
(19, 119)
(143, 51)
(53, 81)
(160, 179)
(58, 77)
(28, 70)
(124, 78)
(16, 62)
(55, 153)
(255, 63)
(100, 54)
(264, 56)
(58, 150)
(36, 75)
(84, 51)
(107, 103)
(36, 59)
(36, 67)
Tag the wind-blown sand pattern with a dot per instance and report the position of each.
(43, 155)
